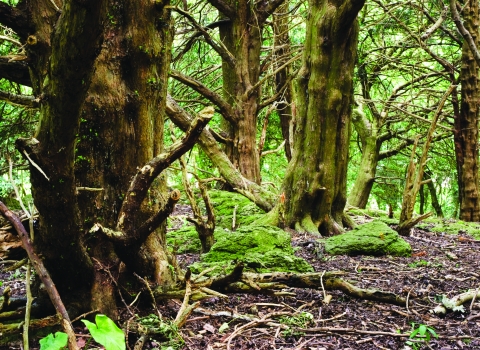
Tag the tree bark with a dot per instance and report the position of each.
(315, 182)
(101, 118)
(466, 122)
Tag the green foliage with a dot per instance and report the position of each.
(51, 342)
(419, 263)
(164, 329)
(106, 333)
(301, 320)
(421, 334)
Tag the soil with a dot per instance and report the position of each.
(441, 265)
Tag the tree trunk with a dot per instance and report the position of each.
(101, 117)
(433, 194)
(315, 182)
(358, 196)
(242, 37)
(466, 123)
(282, 78)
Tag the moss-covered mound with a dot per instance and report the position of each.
(373, 238)
(451, 226)
(225, 202)
(260, 248)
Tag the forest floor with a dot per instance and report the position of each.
(441, 265)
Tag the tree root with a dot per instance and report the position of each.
(270, 283)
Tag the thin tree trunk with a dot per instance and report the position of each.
(284, 102)
(466, 123)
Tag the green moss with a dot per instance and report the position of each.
(374, 238)
(451, 226)
(185, 240)
(261, 248)
(225, 202)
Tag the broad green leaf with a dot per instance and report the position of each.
(57, 342)
(423, 329)
(106, 333)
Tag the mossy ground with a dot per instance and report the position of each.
(451, 226)
(379, 215)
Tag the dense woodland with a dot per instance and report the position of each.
(113, 112)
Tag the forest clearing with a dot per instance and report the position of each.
(219, 174)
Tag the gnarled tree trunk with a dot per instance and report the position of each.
(99, 69)
(315, 182)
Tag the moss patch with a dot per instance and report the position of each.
(451, 226)
(261, 248)
(225, 202)
(374, 238)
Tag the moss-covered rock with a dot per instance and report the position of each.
(373, 238)
(261, 248)
(225, 202)
(451, 226)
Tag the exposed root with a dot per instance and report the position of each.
(269, 283)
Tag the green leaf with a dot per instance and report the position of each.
(106, 333)
(223, 327)
(423, 329)
(414, 333)
(57, 342)
(432, 332)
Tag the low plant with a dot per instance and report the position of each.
(301, 320)
(104, 331)
(420, 335)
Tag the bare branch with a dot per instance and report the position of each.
(436, 25)
(218, 47)
(20, 100)
(225, 109)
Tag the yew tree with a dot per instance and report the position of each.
(315, 182)
(97, 71)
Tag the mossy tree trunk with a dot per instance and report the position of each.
(315, 182)
(99, 70)
(466, 122)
